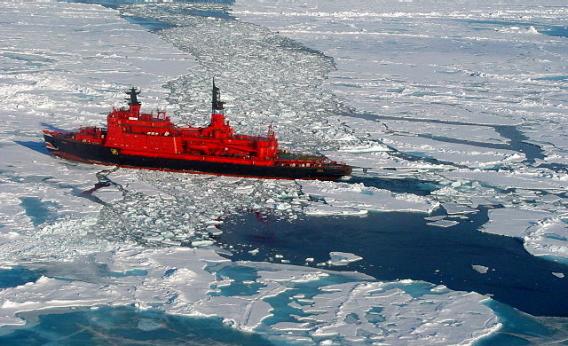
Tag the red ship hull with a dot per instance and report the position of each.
(71, 150)
(152, 141)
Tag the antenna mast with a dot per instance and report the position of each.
(216, 104)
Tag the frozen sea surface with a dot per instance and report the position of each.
(446, 110)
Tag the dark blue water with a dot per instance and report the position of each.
(518, 142)
(398, 245)
(17, 276)
(151, 24)
(127, 326)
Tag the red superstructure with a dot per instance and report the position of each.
(133, 138)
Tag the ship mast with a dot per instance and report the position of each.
(216, 103)
(218, 128)
(133, 100)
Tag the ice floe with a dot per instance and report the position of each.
(141, 220)
(342, 258)
(179, 280)
(542, 233)
(481, 269)
(354, 199)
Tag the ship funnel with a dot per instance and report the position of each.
(216, 104)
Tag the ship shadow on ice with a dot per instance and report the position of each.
(102, 176)
(39, 146)
(36, 146)
(401, 245)
(51, 127)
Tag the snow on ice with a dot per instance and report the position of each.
(466, 121)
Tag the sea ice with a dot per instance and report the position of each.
(512, 222)
(542, 233)
(548, 238)
(443, 223)
(342, 258)
(141, 220)
(352, 199)
(451, 86)
(481, 269)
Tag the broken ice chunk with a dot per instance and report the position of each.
(480, 268)
(342, 258)
(455, 208)
(201, 243)
(443, 223)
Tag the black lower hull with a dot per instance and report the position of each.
(97, 154)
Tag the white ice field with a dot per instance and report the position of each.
(437, 79)
(69, 72)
